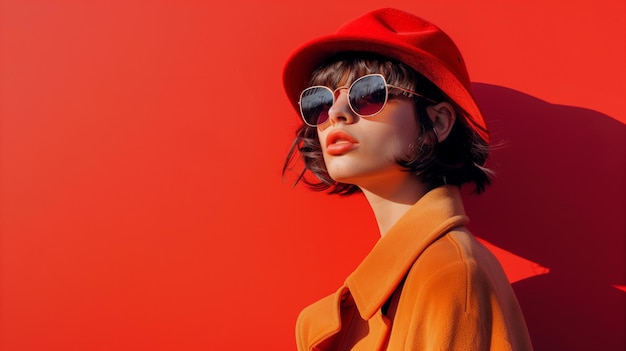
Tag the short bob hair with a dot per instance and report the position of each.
(457, 160)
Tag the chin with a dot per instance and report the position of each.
(342, 179)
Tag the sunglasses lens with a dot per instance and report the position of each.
(368, 95)
(315, 103)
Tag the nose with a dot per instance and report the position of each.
(340, 110)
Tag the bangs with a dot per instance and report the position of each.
(343, 70)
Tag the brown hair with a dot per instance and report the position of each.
(456, 160)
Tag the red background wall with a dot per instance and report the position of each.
(142, 205)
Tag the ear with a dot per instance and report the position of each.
(443, 117)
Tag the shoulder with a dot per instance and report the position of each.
(456, 250)
(458, 267)
(457, 296)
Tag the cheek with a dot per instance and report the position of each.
(405, 127)
(401, 140)
(408, 136)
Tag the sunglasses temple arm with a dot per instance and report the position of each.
(412, 93)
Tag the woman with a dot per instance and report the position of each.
(387, 111)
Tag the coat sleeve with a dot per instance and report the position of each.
(460, 307)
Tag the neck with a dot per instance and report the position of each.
(392, 201)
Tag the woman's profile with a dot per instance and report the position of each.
(387, 111)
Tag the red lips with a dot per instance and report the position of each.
(338, 142)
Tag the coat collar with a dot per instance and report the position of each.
(382, 270)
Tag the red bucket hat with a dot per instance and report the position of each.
(400, 36)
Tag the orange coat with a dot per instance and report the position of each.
(426, 285)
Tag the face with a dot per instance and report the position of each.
(363, 151)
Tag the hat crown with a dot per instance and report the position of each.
(410, 30)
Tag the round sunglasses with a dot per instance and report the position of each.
(367, 96)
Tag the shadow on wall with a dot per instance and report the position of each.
(559, 199)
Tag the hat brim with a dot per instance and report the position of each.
(307, 58)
